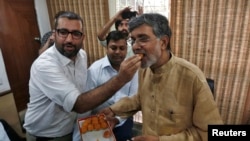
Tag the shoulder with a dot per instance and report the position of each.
(82, 53)
(97, 64)
(50, 59)
(188, 68)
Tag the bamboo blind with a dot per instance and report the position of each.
(94, 14)
(215, 35)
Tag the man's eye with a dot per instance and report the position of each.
(64, 32)
(143, 39)
(77, 34)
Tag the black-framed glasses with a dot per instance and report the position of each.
(64, 33)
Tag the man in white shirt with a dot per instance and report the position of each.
(57, 85)
(104, 69)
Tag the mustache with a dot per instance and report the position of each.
(68, 44)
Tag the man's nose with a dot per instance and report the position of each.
(117, 51)
(69, 37)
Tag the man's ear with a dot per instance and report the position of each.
(165, 41)
(83, 37)
(53, 32)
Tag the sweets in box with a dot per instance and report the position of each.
(95, 128)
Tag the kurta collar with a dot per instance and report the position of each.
(166, 67)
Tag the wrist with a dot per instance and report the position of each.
(112, 111)
(119, 80)
(114, 19)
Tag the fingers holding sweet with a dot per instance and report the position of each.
(129, 67)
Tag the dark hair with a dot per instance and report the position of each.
(45, 38)
(117, 23)
(67, 14)
(158, 22)
(116, 35)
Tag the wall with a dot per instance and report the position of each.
(42, 16)
(4, 82)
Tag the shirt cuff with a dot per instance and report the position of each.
(121, 121)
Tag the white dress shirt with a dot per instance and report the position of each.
(3, 134)
(98, 73)
(55, 83)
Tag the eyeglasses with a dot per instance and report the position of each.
(64, 33)
(141, 41)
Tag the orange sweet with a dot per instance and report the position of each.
(90, 127)
(95, 121)
(97, 126)
(83, 129)
(107, 134)
(94, 118)
(85, 124)
(87, 121)
(101, 116)
(104, 125)
(102, 120)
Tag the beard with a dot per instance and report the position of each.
(125, 33)
(149, 62)
(71, 54)
(151, 59)
(69, 50)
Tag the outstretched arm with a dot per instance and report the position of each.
(91, 99)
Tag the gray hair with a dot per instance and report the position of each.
(45, 38)
(158, 22)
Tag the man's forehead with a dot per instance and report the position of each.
(71, 24)
(123, 41)
(125, 21)
(142, 30)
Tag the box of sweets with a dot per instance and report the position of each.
(95, 128)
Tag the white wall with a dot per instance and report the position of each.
(42, 16)
(112, 5)
(112, 10)
(4, 82)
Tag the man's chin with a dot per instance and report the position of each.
(69, 54)
(125, 33)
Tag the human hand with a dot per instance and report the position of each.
(113, 121)
(145, 138)
(107, 112)
(140, 10)
(109, 117)
(128, 68)
(119, 13)
(51, 40)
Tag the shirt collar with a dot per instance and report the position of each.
(106, 62)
